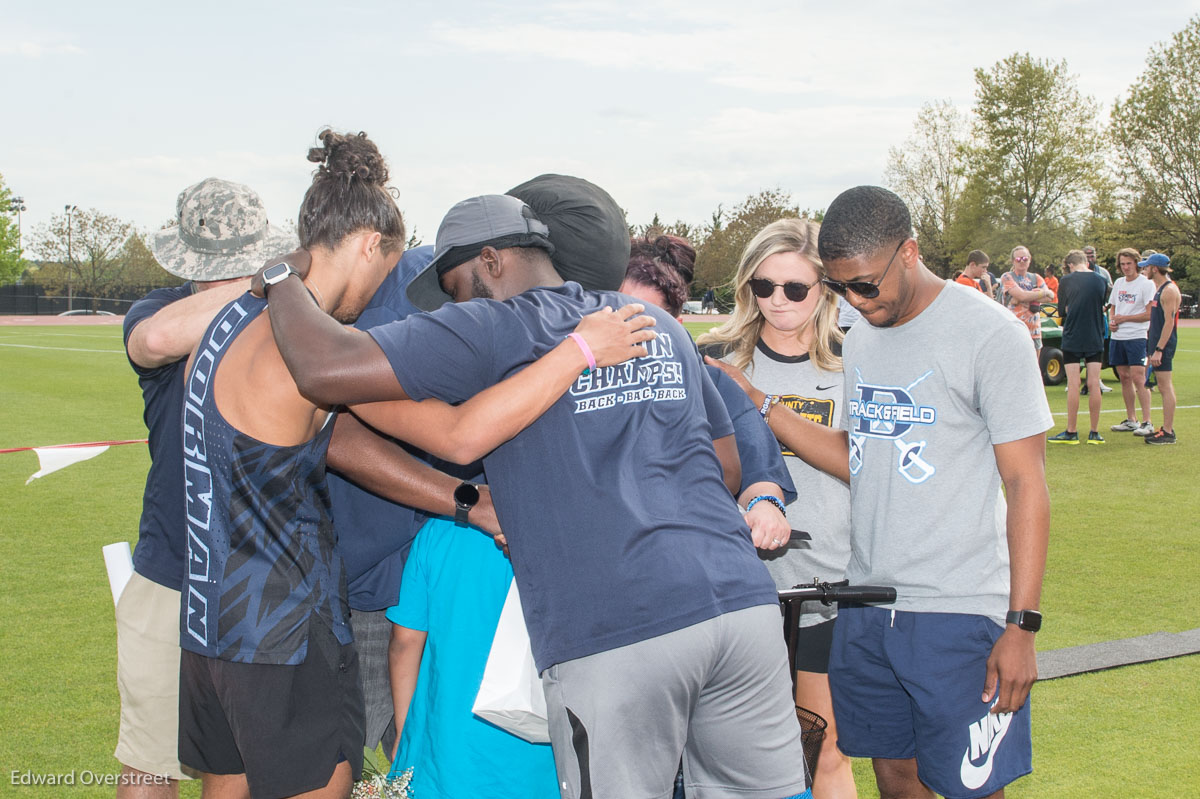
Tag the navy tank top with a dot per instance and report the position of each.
(1158, 321)
(261, 560)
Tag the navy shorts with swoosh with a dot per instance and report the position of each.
(909, 684)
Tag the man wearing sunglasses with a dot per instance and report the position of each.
(935, 688)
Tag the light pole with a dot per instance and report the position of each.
(70, 211)
(18, 204)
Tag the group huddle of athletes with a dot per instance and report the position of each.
(356, 451)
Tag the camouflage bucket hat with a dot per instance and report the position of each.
(221, 232)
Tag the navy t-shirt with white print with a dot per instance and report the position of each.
(159, 555)
(616, 515)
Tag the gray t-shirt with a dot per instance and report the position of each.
(822, 507)
(926, 402)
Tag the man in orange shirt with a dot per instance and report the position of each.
(973, 275)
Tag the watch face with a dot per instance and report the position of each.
(273, 274)
(1029, 620)
(466, 494)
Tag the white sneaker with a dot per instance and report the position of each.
(1104, 389)
(1125, 426)
(1144, 429)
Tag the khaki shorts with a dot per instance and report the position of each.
(148, 678)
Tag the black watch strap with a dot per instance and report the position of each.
(1028, 620)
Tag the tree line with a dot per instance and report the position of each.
(1032, 164)
(83, 252)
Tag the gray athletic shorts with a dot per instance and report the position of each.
(718, 693)
(372, 633)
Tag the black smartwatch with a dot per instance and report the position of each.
(465, 497)
(1028, 620)
(276, 274)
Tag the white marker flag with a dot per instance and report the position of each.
(118, 560)
(51, 459)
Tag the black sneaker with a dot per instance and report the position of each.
(1161, 437)
(1094, 438)
(1066, 437)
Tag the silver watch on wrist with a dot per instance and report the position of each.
(277, 274)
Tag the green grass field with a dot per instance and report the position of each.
(1124, 546)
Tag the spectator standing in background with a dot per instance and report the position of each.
(1024, 292)
(783, 338)
(1130, 300)
(1161, 341)
(1081, 302)
(1089, 252)
(975, 274)
(1052, 280)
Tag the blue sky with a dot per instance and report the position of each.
(673, 106)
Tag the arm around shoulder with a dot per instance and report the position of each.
(331, 364)
(175, 329)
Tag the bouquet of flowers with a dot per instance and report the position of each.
(375, 783)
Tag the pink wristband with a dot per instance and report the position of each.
(587, 351)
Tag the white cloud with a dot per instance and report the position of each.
(28, 44)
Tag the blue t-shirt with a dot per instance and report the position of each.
(455, 583)
(159, 553)
(618, 521)
(374, 534)
(762, 462)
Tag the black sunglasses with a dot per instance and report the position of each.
(793, 290)
(866, 290)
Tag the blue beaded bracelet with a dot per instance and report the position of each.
(776, 501)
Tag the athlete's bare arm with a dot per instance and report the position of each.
(824, 448)
(465, 433)
(1012, 665)
(174, 330)
(383, 467)
(331, 364)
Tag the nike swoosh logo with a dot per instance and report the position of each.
(973, 776)
(824, 388)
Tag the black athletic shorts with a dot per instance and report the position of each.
(1071, 356)
(812, 649)
(285, 727)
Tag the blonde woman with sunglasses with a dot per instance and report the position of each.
(783, 338)
(1024, 292)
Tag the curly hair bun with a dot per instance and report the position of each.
(345, 157)
(678, 253)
